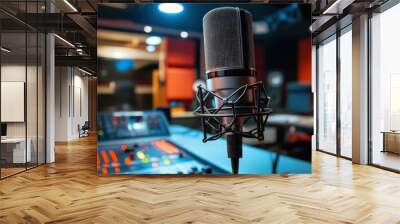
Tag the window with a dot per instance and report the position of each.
(385, 89)
(326, 91)
(22, 77)
(346, 92)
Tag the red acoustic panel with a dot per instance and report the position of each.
(179, 82)
(304, 61)
(180, 53)
(259, 51)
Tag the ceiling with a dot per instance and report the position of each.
(79, 27)
(190, 19)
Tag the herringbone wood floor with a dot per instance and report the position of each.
(70, 191)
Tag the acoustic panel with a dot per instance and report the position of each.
(181, 53)
(179, 83)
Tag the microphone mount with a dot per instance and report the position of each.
(230, 117)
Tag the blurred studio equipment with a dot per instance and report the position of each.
(299, 98)
(275, 82)
(138, 142)
(232, 96)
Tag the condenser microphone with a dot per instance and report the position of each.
(232, 95)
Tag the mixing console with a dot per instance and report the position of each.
(154, 157)
(117, 154)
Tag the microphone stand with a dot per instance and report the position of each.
(235, 150)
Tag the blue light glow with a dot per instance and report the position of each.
(150, 48)
(170, 8)
(124, 65)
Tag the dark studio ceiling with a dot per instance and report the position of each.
(285, 22)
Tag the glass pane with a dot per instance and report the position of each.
(346, 94)
(23, 85)
(32, 96)
(13, 86)
(327, 96)
(385, 84)
(32, 84)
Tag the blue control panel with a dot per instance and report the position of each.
(154, 157)
(138, 143)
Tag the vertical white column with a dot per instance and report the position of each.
(50, 92)
(50, 99)
(314, 93)
(360, 90)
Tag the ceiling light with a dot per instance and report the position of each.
(150, 48)
(147, 29)
(170, 8)
(65, 41)
(337, 7)
(5, 50)
(153, 40)
(70, 5)
(184, 34)
(331, 7)
(84, 71)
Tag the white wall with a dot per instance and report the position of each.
(33, 126)
(62, 81)
(71, 94)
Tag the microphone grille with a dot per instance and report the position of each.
(228, 39)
